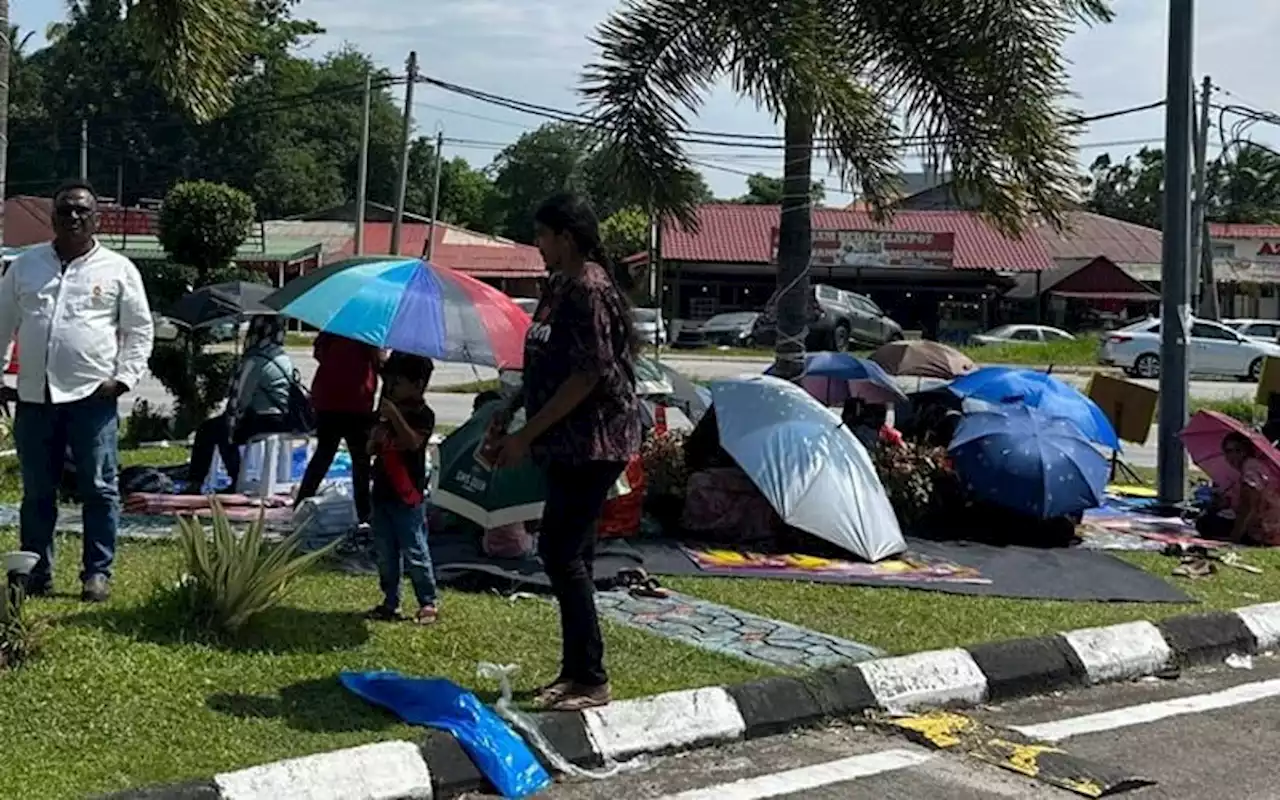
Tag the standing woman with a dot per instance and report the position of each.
(579, 396)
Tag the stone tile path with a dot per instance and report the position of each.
(731, 632)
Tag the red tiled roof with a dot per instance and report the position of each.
(743, 234)
(1237, 230)
(1089, 235)
(457, 248)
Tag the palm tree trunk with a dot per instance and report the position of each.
(795, 243)
(5, 47)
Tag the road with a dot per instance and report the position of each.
(454, 409)
(1208, 735)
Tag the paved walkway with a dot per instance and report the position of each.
(731, 632)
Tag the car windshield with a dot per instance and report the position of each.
(644, 314)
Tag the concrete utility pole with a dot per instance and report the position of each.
(402, 181)
(1202, 246)
(1175, 315)
(362, 174)
(84, 149)
(429, 247)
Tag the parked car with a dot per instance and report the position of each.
(1263, 330)
(1214, 349)
(649, 325)
(736, 329)
(1022, 334)
(837, 319)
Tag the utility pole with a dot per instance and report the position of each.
(120, 184)
(1202, 244)
(429, 247)
(1200, 143)
(5, 47)
(362, 175)
(84, 149)
(397, 224)
(1174, 312)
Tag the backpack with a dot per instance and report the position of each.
(299, 416)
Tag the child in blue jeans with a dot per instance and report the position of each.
(398, 445)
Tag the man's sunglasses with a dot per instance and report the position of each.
(73, 211)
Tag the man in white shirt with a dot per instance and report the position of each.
(84, 331)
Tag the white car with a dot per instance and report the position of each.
(649, 325)
(1262, 330)
(1214, 349)
(1025, 334)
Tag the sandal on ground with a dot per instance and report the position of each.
(427, 615)
(383, 613)
(640, 584)
(580, 698)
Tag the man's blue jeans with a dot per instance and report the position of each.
(41, 433)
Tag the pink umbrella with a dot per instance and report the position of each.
(1203, 439)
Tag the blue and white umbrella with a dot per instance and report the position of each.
(808, 465)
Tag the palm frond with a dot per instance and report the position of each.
(986, 79)
(197, 47)
(657, 60)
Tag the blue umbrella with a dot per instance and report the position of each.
(1025, 460)
(834, 377)
(1040, 390)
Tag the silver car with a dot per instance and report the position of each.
(1213, 349)
(649, 325)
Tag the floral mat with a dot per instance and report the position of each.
(908, 567)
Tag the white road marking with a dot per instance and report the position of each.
(804, 778)
(1150, 712)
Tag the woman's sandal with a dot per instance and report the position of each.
(580, 698)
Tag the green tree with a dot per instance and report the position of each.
(987, 80)
(6, 46)
(766, 190)
(550, 159)
(625, 233)
(1131, 190)
(465, 193)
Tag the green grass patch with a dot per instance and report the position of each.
(470, 387)
(296, 339)
(1242, 408)
(1079, 352)
(122, 697)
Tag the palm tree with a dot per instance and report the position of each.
(6, 42)
(977, 82)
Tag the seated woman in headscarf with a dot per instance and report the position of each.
(1247, 511)
(258, 403)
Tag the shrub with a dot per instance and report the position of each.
(147, 423)
(917, 479)
(203, 224)
(664, 467)
(197, 380)
(230, 579)
(19, 635)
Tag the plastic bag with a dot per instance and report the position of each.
(529, 727)
(498, 752)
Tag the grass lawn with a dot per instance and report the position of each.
(470, 387)
(120, 697)
(1082, 352)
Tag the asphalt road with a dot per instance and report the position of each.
(454, 409)
(1208, 735)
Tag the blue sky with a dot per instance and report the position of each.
(534, 51)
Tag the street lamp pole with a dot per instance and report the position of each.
(1175, 312)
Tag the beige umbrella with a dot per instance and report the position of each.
(923, 359)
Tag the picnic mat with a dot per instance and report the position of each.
(952, 567)
(1128, 524)
(238, 507)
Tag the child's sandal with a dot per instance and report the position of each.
(427, 615)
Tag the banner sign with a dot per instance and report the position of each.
(878, 248)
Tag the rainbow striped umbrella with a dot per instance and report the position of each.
(411, 306)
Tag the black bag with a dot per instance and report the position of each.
(299, 416)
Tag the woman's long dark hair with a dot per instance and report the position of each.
(567, 213)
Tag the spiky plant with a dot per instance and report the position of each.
(230, 579)
(19, 635)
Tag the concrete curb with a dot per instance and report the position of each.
(437, 767)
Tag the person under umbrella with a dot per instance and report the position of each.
(258, 403)
(1245, 470)
(1039, 390)
(343, 394)
(583, 425)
